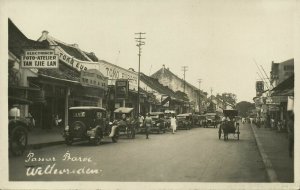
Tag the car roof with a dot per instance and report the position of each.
(156, 113)
(210, 114)
(123, 110)
(184, 114)
(86, 108)
(169, 111)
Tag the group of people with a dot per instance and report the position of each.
(147, 124)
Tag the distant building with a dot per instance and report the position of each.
(281, 71)
(195, 96)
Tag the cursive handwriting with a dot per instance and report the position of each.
(52, 170)
(67, 157)
(32, 158)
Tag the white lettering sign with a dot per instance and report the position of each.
(73, 62)
(39, 59)
(114, 72)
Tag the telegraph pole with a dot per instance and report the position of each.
(184, 68)
(139, 39)
(199, 99)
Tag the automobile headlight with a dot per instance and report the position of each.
(67, 128)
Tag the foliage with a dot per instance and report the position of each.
(228, 97)
(244, 107)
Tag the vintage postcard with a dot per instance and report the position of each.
(133, 94)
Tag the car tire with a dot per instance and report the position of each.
(69, 140)
(97, 140)
(18, 140)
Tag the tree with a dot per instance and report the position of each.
(227, 97)
(244, 107)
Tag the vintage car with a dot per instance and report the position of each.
(184, 121)
(18, 127)
(158, 122)
(211, 120)
(198, 120)
(18, 135)
(88, 123)
(127, 124)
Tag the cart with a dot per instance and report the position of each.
(127, 126)
(229, 126)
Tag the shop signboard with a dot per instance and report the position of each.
(43, 58)
(94, 78)
(165, 101)
(73, 62)
(273, 108)
(290, 104)
(122, 87)
(259, 88)
(114, 72)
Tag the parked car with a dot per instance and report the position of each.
(184, 121)
(210, 120)
(158, 122)
(88, 123)
(18, 128)
(127, 123)
(202, 120)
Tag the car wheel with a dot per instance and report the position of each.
(115, 138)
(18, 140)
(97, 139)
(69, 140)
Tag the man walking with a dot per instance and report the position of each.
(173, 123)
(148, 125)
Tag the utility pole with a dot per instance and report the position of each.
(199, 99)
(184, 68)
(139, 39)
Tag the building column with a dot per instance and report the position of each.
(67, 106)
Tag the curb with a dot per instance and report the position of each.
(41, 145)
(268, 165)
(47, 144)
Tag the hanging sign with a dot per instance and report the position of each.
(39, 59)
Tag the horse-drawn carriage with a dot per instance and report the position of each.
(229, 125)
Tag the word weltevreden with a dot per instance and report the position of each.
(39, 59)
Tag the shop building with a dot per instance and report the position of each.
(195, 96)
(56, 89)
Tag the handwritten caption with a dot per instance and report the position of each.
(53, 169)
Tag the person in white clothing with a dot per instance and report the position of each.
(173, 124)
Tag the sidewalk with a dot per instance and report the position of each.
(273, 147)
(38, 137)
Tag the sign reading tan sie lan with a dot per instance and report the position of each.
(39, 59)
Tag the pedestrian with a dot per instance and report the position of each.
(173, 124)
(141, 120)
(148, 125)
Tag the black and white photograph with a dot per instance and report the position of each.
(132, 94)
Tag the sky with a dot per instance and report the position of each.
(220, 41)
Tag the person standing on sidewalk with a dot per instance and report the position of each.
(290, 128)
(148, 125)
(173, 124)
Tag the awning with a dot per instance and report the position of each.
(16, 100)
(285, 87)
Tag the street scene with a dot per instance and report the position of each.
(161, 92)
